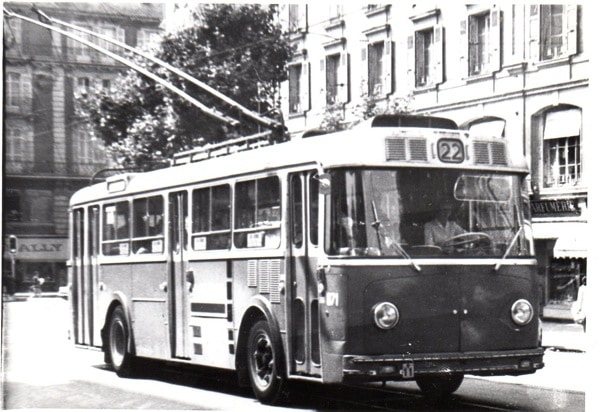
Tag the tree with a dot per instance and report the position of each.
(238, 49)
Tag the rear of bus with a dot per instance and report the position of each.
(399, 300)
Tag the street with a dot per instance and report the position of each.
(42, 369)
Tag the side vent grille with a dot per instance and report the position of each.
(490, 153)
(396, 149)
(265, 275)
(418, 149)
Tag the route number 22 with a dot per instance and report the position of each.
(451, 151)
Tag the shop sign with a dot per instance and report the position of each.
(557, 207)
(42, 249)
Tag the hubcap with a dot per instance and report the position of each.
(117, 343)
(263, 360)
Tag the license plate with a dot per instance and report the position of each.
(408, 370)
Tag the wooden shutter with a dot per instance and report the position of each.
(305, 87)
(464, 50)
(410, 62)
(364, 71)
(495, 37)
(388, 67)
(534, 33)
(571, 35)
(323, 77)
(302, 15)
(344, 78)
(438, 54)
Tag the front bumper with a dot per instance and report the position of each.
(409, 366)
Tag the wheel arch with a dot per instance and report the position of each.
(118, 299)
(259, 308)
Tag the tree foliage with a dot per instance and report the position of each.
(238, 49)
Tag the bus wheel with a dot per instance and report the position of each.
(118, 340)
(265, 364)
(440, 386)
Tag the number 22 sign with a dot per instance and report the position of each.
(451, 151)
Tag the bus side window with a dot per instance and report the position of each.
(258, 213)
(148, 218)
(115, 239)
(211, 218)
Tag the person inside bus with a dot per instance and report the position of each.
(441, 228)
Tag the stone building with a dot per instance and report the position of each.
(517, 70)
(47, 152)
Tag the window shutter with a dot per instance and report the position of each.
(388, 67)
(474, 62)
(571, 43)
(344, 78)
(438, 53)
(534, 33)
(364, 69)
(495, 37)
(26, 93)
(302, 23)
(464, 50)
(305, 87)
(410, 62)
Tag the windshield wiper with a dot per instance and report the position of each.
(389, 240)
(510, 246)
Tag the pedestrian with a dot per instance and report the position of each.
(578, 310)
(38, 281)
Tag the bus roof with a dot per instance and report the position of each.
(364, 145)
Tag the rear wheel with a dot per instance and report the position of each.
(265, 364)
(440, 386)
(118, 343)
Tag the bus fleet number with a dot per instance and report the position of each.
(451, 151)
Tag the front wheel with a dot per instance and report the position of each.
(265, 364)
(440, 386)
(119, 356)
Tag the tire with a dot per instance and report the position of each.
(440, 386)
(121, 360)
(265, 364)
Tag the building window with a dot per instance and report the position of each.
(553, 31)
(83, 85)
(76, 48)
(13, 90)
(299, 87)
(148, 39)
(12, 206)
(294, 100)
(562, 154)
(480, 47)
(424, 57)
(335, 12)
(297, 18)
(376, 71)
(332, 67)
(16, 144)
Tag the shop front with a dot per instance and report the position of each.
(44, 257)
(561, 236)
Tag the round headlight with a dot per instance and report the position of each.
(521, 312)
(386, 315)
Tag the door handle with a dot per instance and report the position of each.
(189, 278)
(163, 286)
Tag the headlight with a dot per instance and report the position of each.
(386, 315)
(521, 312)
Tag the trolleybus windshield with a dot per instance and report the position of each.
(417, 212)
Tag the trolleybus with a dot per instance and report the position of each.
(322, 259)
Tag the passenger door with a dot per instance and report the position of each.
(304, 319)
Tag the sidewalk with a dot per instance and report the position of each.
(564, 336)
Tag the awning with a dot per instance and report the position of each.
(51, 249)
(571, 238)
(563, 123)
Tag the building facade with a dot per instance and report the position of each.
(516, 70)
(48, 154)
